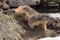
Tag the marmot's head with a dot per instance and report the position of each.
(20, 10)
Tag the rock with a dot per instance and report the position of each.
(16, 3)
(0, 5)
(50, 33)
(9, 30)
(58, 25)
(3, 0)
(5, 6)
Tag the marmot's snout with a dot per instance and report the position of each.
(20, 10)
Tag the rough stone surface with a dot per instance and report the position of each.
(16, 3)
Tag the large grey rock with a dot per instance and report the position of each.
(16, 3)
(9, 30)
(5, 6)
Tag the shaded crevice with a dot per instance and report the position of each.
(46, 9)
(52, 27)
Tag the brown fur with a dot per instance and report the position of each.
(20, 10)
(29, 16)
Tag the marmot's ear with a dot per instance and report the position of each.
(9, 11)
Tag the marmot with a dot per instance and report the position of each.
(34, 19)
